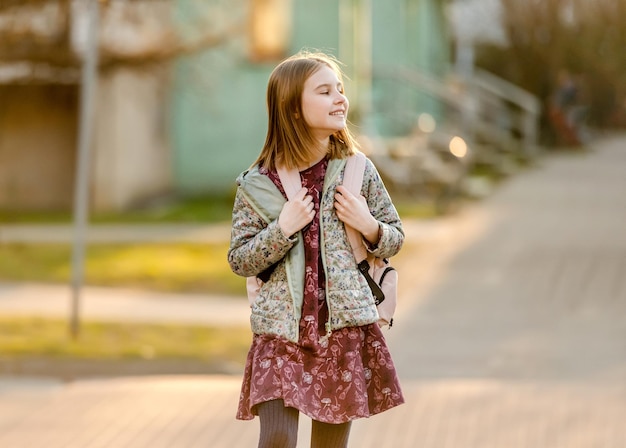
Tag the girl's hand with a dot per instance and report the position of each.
(353, 211)
(296, 213)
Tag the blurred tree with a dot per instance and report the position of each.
(133, 32)
(583, 37)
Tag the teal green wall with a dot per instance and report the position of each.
(218, 115)
(316, 26)
(219, 121)
(431, 48)
(411, 34)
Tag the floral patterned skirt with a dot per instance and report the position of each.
(346, 376)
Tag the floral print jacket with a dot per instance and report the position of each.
(257, 242)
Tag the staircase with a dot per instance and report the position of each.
(429, 133)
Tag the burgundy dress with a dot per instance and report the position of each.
(332, 379)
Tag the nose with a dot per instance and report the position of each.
(341, 98)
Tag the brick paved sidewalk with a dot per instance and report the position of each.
(189, 412)
(514, 337)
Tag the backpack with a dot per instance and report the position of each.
(381, 277)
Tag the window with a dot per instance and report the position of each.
(270, 29)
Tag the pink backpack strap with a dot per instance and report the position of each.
(352, 177)
(353, 180)
(353, 174)
(290, 178)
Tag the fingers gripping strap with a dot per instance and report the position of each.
(291, 181)
(352, 179)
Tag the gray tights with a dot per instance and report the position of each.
(279, 428)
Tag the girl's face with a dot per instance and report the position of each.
(324, 106)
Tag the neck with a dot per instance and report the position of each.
(317, 154)
(311, 162)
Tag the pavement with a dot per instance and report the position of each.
(510, 333)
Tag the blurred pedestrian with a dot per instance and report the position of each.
(317, 348)
(567, 109)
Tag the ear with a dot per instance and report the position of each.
(296, 115)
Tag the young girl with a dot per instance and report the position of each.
(317, 348)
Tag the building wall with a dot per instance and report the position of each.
(420, 42)
(218, 117)
(131, 154)
(219, 120)
(39, 111)
(432, 50)
(37, 146)
(217, 110)
(316, 26)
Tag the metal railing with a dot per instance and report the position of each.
(522, 108)
(495, 118)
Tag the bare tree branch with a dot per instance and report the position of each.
(172, 48)
(38, 32)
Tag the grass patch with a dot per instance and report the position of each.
(200, 209)
(408, 209)
(191, 268)
(49, 338)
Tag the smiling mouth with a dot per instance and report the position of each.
(338, 114)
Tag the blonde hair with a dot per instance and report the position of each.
(289, 140)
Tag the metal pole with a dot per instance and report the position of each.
(85, 132)
(364, 66)
(346, 33)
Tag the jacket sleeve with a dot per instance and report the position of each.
(382, 208)
(254, 244)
